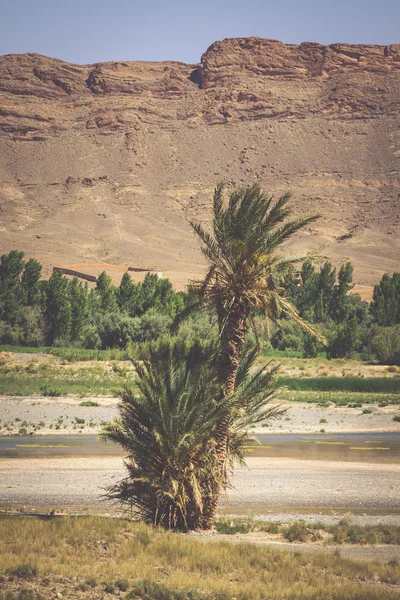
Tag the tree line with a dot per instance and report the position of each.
(322, 297)
(64, 312)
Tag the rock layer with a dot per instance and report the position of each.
(105, 162)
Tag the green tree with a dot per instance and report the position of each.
(58, 308)
(386, 301)
(150, 326)
(78, 297)
(31, 281)
(288, 336)
(340, 305)
(127, 295)
(318, 297)
(106, 293)
(311, 346)
(345, 339)
(30, 322)
(115, 329)
(166, 299)
(12, 295)
(246, 273)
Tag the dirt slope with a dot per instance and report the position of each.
(106, 162)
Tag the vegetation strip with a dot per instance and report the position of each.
(346, 531)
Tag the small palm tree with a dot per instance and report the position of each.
(247, 272)
(168, 430)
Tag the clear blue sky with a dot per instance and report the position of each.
(87, 31)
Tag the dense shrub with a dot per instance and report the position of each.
(344, 340)
(151, 326)
(23, 571)
(288, 336)
(115, 329)
(386, 345)
(301, 532)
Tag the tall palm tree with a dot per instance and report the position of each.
(168, 429)
(247, 272)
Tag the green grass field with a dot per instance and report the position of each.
(376, 385)
(25, 385)
(350, 399)
(340, 391)
(307, 380)
(70, 354)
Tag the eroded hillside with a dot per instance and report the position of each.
(106, 162)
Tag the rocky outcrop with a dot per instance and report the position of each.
(106, 161)
(264, 78)
(237, 79)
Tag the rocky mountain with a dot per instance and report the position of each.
(106, 162)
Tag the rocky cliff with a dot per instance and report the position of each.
(105, 162)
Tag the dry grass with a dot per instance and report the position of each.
(103, 550)
(346, 531)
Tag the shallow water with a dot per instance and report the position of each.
(354, 447)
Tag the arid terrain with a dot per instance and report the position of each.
(105, 163)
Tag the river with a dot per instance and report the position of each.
(355, 447)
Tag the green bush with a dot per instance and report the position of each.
(150, 590)
(344, 340)
(10, 334)
(150, 327)
(386, 345)
(50, 392)
(91, 339)
(232, 526)
(23, 571)
(122, 584)
(30, 323)
(300, 532)
(311, 346)
(115, 329)
(288, 336)
(348, 532)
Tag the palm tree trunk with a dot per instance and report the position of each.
(232, 341)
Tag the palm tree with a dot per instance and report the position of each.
(168, 429)
(246, 273)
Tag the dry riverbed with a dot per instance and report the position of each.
(70, 414)
(259, 488)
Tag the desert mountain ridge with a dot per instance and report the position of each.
(106, 163)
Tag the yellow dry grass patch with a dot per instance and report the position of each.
(106, 549)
